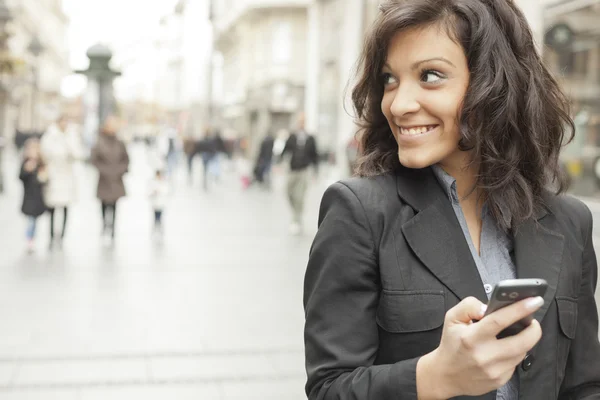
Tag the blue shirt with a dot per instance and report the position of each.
(494, 261)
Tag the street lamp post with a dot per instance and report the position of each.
(35, 48)
(100, 80)
(5, 18)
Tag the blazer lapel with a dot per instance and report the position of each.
(538, 254)
(435, 235)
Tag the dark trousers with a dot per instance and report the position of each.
(157, 218)
(64, 222)
(109, 222)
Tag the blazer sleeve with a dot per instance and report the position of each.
(582, 375)
(341, 294)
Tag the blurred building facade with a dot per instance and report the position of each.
(280, 57)
(166, 73)
(184, 44)
(39, 38)
(573, 53)
(263, 47)
(337, 32)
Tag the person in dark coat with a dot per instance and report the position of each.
(209, 149)
(190, 150)
(34, 176)
(264, 159)
(110, 157)
(302, 150)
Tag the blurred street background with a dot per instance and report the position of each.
(193, 290)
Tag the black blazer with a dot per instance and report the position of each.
(390, 259)
(301, 157)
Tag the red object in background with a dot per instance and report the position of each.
(245, 182)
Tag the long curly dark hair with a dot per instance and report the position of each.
(514, 118)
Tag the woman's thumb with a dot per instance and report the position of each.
(470, 309)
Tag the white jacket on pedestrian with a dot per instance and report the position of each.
(159, 193)
(60, 151)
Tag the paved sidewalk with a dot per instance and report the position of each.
(213, 311)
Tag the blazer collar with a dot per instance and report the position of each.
(435, 236)
(419, 188)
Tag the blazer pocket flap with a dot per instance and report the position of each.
(411, 311)
(567, 316)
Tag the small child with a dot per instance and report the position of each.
(33, 175)
(159, 192)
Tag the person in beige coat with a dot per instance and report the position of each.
(61, 148)
(110, 157)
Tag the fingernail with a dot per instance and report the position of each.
(483, 310)
(534, 303)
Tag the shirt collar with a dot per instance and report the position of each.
(447, 182)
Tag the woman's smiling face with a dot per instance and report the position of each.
(425, 80)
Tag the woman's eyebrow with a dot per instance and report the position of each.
(418, 63)
(442, 59)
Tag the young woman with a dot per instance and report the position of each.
(459, 179)
(61, 149)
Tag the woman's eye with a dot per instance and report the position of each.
(388, 79)
(432, 77)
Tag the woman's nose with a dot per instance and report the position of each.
(404, 103)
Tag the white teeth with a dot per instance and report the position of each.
(416, 131)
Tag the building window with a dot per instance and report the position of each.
(578, 63)
(281, 50)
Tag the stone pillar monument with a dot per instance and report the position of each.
(99, 97)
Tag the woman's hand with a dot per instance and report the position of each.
(470, 360)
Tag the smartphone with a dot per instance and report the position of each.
(510, 291)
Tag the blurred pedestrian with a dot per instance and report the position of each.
(209, 148)
(110, 157)
(189, 148)
(34, 176)
(168, 146)
(220, 152)
(262, 168)
(302, 148)
(61, 148)
(159, 192)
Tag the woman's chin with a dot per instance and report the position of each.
(414, 163)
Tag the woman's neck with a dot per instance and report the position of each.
(465, 174)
